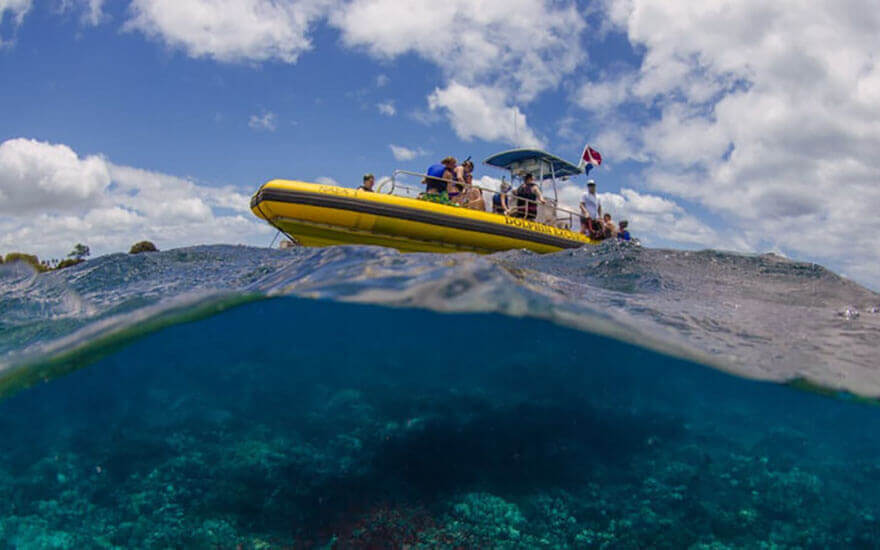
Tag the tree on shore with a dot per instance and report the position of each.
(79, 252)
(29, 259)
(143, 246)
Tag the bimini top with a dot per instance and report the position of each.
(532, 161)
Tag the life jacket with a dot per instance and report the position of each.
(436, 170)
(527, 192)
(496, 203)
(434, 179)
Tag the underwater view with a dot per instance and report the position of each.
(355, 397)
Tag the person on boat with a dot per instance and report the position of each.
(500, 203)
(454, 184)
(470, 197)
(435, 187)
(468, 172)
(528, 196)
(609, 230)
(369, 180)
(591, 211)
(623, 233)
(464, 170)
(473, 195)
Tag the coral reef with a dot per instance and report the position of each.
(180, 441)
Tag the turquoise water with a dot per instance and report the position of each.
(226, 397)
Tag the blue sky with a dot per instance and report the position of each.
(119, 117)
(102, 90)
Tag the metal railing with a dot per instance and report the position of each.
(547, 212)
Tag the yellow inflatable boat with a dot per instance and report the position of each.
(324, 215)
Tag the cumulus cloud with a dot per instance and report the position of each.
(767, 116)
(492, 47)
(230, 30)
(655, 220)
(492, 54)
(403, 154)
(387, 108)
(493, 41)
(266, 122)
(490, 42)
(53, 198)
(482, 112)
(36, 175)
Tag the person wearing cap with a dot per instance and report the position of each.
(369, 180)
(591, 210)
(500, 204)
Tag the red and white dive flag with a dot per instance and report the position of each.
(590, 158)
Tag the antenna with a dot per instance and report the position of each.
(515, 129)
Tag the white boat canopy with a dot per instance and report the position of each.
(540, 164)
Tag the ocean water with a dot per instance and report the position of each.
(354, 397)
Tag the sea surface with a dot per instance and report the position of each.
(355, 397)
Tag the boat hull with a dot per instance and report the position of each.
(326, 215)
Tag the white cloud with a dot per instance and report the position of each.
(36, 175)
(492, 54)
(94, 11)
(492, 47)
(230, 30)
(655, 220)
(267, 122)
(54, 198)
(404, 154)
(387, 108)
(605, 95)
(769, 117)
(14, 10)
(482, 112)
(489, 42)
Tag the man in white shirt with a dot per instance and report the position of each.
(591, 208)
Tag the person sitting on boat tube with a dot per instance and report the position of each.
(591, 211)
(528, 196)
(369, 180)
(435, 187)
(623, 233)
(460, 175)
(500, 204)
(609, 230)
(454, 182)
(471, 197)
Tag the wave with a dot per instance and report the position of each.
(762, 317)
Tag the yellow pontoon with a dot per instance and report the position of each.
(323, 215)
